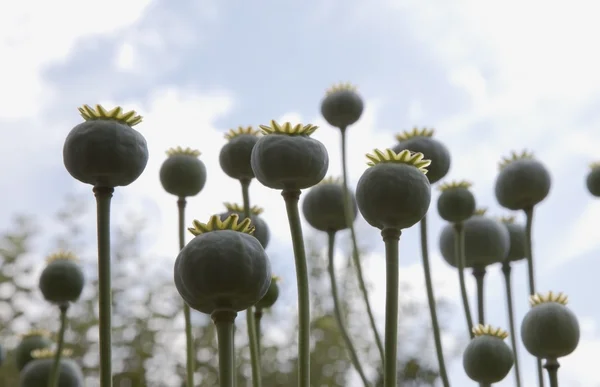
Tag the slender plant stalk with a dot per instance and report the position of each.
(252, 333)
(529, 252)
(103, 198)
(511, 319)
(258, 313)
(459, 256)
(479, 274)
(355, 251)
(224, 321)
(338, 312)
(432, 306)
(552, 367)
(54, 374)
(391, 238)
(291, 204)
(189, 338)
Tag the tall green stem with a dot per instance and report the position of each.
(224, 321)
(252, 335)
(529, 252)
(258, 313)
(432, 306)
(103, 198)
(552, 367)
(54, 374)
(291, 205)
(479, 274)
(459, 256)
(391, 238)
(511, 319)
(189, 338)
(355, 251)
(338, 312)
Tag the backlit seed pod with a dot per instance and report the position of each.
(62, 280)
(223, 268)
(38, 371)
(522, 182)
(270, 296)
(517, 236)
(593, 179)
(394, 192)
(456, 203)
(550, 329)
(261, 230)
(183, 174)
(236, 153)
(105, 150)
(323, 206)
(488, 359)
(286, 158)
(422, 141)
(32, 340)
(486, 241)
(342, 106)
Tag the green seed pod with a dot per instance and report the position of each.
(342, 106)
(323, 206)
(488, 359)
(62, 280)
(223, 268)
(35, 339)
(422, 141)
(522, 182)
(550, 330)
(593, 179)
(270, 296)
(516, 233)
(105, 150)
(486, 241)
(287, 158)
(456, 203)
(38, 371)
(261, 230)
(394, 192)
(236, 154)
(183, 174)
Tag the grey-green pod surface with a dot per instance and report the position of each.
(522, 182)
(183, 174)
(456, 202)
(487, 359)
(323, 206)
(29, 343)
(235, 156)
(261, 229)
(270, 296)
(61, 281)
(37, 373)
(592, 181)
(422, 141)
(517, 237)
(342, 106)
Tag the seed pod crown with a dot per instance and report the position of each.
(507, 219)
(130, 118)
(289, 129)
(539, 298)
(415, 132)
(595, 165)
(234, 207)
(515, 156)
(215, 224)
(480, 211)
(36, 332)
(488, 330)
(47, 353)
(454, 185)
(342, 86)
(62, 255)
(179, 151)
(248, 130)
(404, 157)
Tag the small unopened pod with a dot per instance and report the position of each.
(522, 181)
(38, 371)
(422, 141)
(105, 150)
(261, 229)
(517, 236)
(30, 341)
(593, 179)
(236, 154)
(550, 330)
(183, 174)
(323, 206)
(456, 202)
(342, 105)
(287, 158)
(270, 296)
(62, 280)
(488, 359)
(223, 268)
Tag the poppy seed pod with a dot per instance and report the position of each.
(550, 329)
(422, 141)
(488, 359)
(286, 158)
(261, 230)
(394, 192)
(270, 296)
(593, 179)
(32, 340)
(342, 106)
(323, 206)
(38, 371)
(183, 174)
(516, 233)
(522, 182)
(105, 150)
(236, 154)
(456, 203)
(62, 280)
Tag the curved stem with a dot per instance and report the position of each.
(511, 319)
(355, 251)
(54, 374)
(459, 256)
(338, 312)
(224, 321)
(432, 305)
(479, 274)
(258, 313)
(291, 205)
(252, 335)
(552, 367)
(189, 338)
(103, 197)
(391, 238)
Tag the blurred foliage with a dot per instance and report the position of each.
(148, 334)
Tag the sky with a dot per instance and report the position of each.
(489, 77)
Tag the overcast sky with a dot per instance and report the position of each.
(490, 78)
